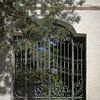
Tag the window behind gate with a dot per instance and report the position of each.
(52, 69)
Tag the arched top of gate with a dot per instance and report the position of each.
(67, 26)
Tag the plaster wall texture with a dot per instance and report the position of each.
(90, 24)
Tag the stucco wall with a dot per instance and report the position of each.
(89, 24)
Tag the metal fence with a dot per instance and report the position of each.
(52, 69)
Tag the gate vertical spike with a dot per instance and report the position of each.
(30, 57)
(82, 66)
(72, 69)
(68, 63)
(53, 56)
(49, 67)
(44, 57)
(37, 58)
(64, 64)
(77, 62)
(16, 62)
(57, 59)
(41, 57)
(60, 60)
(26, 70)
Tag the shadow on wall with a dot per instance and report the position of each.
(6, 70)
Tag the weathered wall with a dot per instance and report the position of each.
(89, 24)
(6, 72)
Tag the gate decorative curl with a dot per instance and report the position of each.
(52, 69)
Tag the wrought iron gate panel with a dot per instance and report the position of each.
(52, 69)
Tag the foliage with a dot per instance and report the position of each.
(19, 15)
(38, 79)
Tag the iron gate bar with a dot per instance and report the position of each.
(81, 66)
(37, 58)
(44, 58)
(64, 66)
(57, 58)
(26, 69)
(49, 71)
(68, 65)
(77, 63)
(72, 69)
(61, 59)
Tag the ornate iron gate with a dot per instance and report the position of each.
(52, 69)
